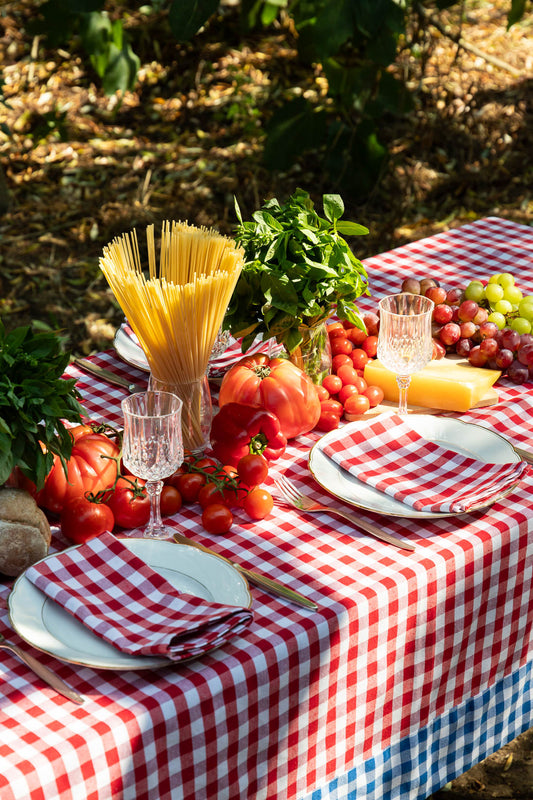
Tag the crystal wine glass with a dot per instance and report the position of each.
(152, 447)
(405, 343)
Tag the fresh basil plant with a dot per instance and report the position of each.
(298, 270)
(34, 402)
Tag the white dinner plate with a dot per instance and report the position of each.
(129, 351)
(462, 437)
(46, 626)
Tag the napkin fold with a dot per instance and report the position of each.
(393, 458)
(124, 601)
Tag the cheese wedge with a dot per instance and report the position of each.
(447, 384)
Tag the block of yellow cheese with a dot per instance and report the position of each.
(447, 384)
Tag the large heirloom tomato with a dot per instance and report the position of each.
(276, 384)
(91, 467)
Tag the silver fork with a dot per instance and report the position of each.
(291, 496)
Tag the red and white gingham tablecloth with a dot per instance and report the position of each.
(416, 665)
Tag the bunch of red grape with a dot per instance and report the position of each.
(471, 329)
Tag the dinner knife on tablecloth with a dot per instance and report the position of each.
(106, 375)
(254, 577)
(525, 455)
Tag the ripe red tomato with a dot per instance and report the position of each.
(340, 345)
(360, 384)
(346, 392)
(357, 404)
(328, 421)
(217, 518)
(82, 520)
(347, 375)
(359, 358)
(340, 359)
(332, 383)
(171, 501)
(276, 384)
(375, 395)
(335, 329)
(258, 503)
(253, 469)
(210, 493)
(172, 480)
(90, 468)
(129, 509)
(189, 485)
(370, 346)
(207, 465)
(356, 336)
(331, 406)
(322, 393)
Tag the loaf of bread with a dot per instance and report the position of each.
(24, 531)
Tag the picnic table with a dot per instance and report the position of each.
(416, 665)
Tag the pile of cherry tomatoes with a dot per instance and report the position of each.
(344, 394)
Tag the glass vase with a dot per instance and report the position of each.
(197, 410)
(313, 355)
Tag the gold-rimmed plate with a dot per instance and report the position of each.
(46, 626)
(462, 437)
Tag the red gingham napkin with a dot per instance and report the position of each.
(392, 458)
(123, 600)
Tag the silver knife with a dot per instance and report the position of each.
(524, 455)
(43, 672)
(106, 375)
(253, 577)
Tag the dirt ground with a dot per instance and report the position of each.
(81, 168)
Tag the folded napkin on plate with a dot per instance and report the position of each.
(392, 458)
(123, 600)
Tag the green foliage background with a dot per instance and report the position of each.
(354, 41)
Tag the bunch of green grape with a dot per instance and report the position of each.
(507, 306)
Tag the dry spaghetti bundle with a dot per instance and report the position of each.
(177, 307)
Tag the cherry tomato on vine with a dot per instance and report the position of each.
(172, 480)
(253, 469)
(210, 493)
(322, 392)
(82, 520)
(189, 485)
(217, 518)
(171, 501)
(258, 503)
(129, 510)
(207, 465)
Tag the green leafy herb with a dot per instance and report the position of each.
(298, 269)
(34, 402)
